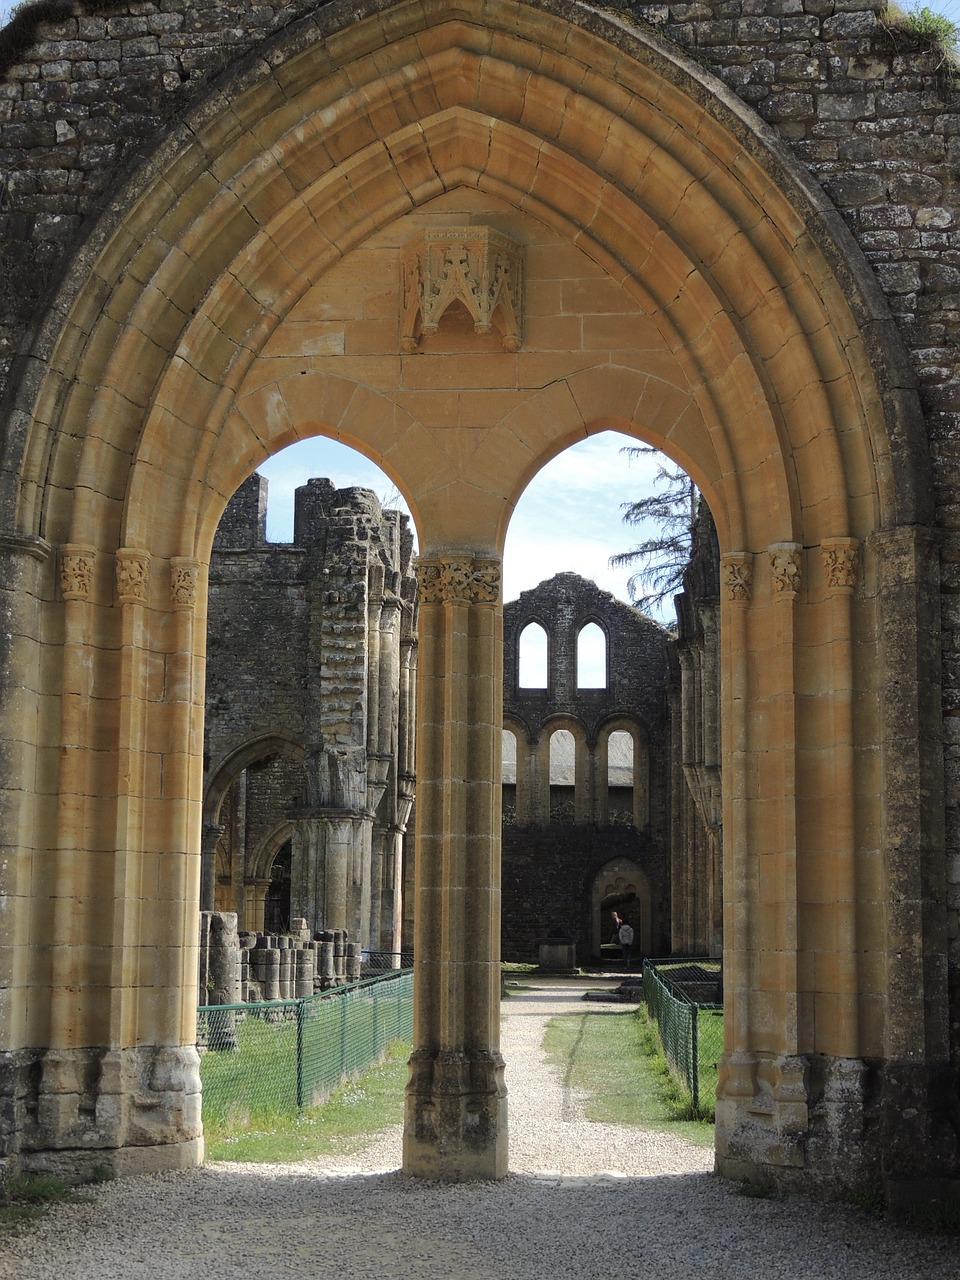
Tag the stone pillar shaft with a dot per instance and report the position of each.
(455, 1125)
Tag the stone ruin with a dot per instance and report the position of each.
(241, 968)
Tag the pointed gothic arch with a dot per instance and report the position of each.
(742, 334)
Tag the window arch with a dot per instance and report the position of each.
(563, 769)
(591, 657)
(621, 750)
(532, 654)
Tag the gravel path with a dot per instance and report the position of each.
(584, 1202)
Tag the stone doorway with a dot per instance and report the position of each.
(635, 253)
(621, 876)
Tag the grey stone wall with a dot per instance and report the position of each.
(548, 875)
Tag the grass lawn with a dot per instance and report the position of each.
(343, 1123)
(614, 1062)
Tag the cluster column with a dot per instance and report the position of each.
(455, 1124)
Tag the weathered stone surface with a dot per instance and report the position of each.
(206, 275)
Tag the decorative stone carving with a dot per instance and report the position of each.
(76, 572)
(184, 573)
(476, 266)
(459, 578)
(840, 563)
(785, 568)
(736, 573)
(133, 571)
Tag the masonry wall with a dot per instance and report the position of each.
(871, 112)
(556, 845)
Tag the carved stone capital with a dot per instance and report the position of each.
(785, 569)
(736, 576)
(133, 572)
(840, 563)
(76, 571)
(459, 578)
(475, 266)
(184, 575)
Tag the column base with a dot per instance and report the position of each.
(455, 1123)
(86, 1113)
(839, 1126)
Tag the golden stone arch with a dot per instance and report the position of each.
(680, 281)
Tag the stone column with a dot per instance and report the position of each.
(329, 869)
(455, 1118)
(539, 775)
(737, 1073)
(254, 904)
(209, 838)
(583, 812)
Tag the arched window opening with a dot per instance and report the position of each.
(533, 650)
(276, 906)
(509, 777)
(591, 657)
(620, 749)
(563, 773)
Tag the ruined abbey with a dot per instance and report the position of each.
(459, 237)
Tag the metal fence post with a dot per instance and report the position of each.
(695, 1056)
(301, 1009)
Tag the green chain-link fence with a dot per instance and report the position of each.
(684, 998)
(266, 1062)
(385, 961)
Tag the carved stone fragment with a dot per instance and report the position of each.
(478, 267)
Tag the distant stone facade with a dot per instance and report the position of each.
(696, 926)
(587, 796)
(308, 734)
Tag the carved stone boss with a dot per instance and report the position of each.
(785, 568)
(184, 573)
(476, 266)
(458, 578)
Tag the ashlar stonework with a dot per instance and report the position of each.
(737, 230)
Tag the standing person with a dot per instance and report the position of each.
(625, 938)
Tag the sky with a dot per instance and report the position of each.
(568, 519)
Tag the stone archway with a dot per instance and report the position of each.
(662, 270)
(621, 875)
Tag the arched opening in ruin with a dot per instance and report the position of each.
(533, 660)
(276, 902)
(591, 657)
(623, 787)
(621, 879)
(673, 277)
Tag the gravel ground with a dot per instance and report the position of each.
(583, 1202)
